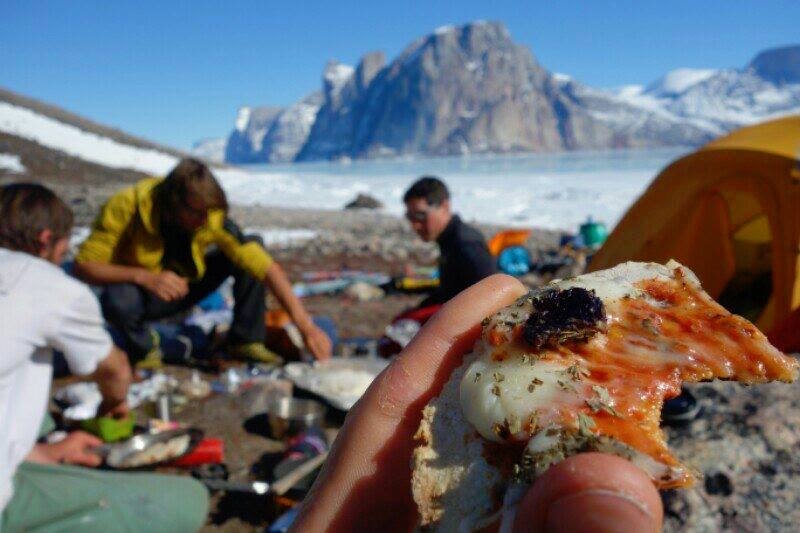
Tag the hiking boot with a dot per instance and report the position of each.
(681, 409)
(254, 351)
(154, 358)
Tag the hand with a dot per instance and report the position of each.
(316, 341)
(116, 410)
(166, 285)
(74, 450)
(366, 482)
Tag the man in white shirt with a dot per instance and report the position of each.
(42, 309)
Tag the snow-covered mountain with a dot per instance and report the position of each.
(471, 89)
(718, 101)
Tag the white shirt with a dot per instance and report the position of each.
(41, 309)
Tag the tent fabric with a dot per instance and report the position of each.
(507, 238)
(728, 209)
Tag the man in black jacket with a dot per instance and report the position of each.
(464, 258)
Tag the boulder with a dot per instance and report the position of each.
(364, 201)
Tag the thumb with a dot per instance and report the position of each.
(87, 458)
(591, 492)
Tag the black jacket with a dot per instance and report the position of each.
(464, 260)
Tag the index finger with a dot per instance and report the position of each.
(87, 438)
(369, 466)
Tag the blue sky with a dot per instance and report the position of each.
(175, 72)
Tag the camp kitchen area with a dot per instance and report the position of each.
(256, 434)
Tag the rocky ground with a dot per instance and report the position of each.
(744, 445)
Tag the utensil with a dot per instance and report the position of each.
(289, 416)
(254, 487)
(116, 455)
(291, 478)
(164, 407)
(278, 488)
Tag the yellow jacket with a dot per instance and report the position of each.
(126, 232)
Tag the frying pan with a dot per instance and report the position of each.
(115, 455)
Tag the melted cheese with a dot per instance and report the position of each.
(662, 330)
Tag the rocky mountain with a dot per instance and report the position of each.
(276, 135)
(467, 89)
(471, 89)
(287, 134)
(246, 141)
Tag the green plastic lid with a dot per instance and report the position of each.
(110, 429)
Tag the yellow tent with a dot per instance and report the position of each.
(731, 212)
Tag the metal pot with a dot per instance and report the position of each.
(289, 416)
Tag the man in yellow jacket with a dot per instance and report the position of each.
(162, 245)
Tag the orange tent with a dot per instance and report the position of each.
(510, 237)
(731, 212)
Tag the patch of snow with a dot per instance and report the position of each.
(629, 91)
(337, 74)
(11, 163)
(23, 122)
(441, 30)
(679, 80)
(562, 78)
(772, 96)
(243, 118)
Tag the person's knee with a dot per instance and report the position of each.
(190, 504)
(121, 301)
(197, 503)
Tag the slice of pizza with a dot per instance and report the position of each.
(583, 364)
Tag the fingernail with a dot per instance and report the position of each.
(599, 511)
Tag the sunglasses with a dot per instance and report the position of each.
(420, 215)
(417, 216)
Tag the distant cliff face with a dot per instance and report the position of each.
(332, 131)
(471, 89)
(459, 90)
(246, 141)
(270, 134)
(289, 131)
